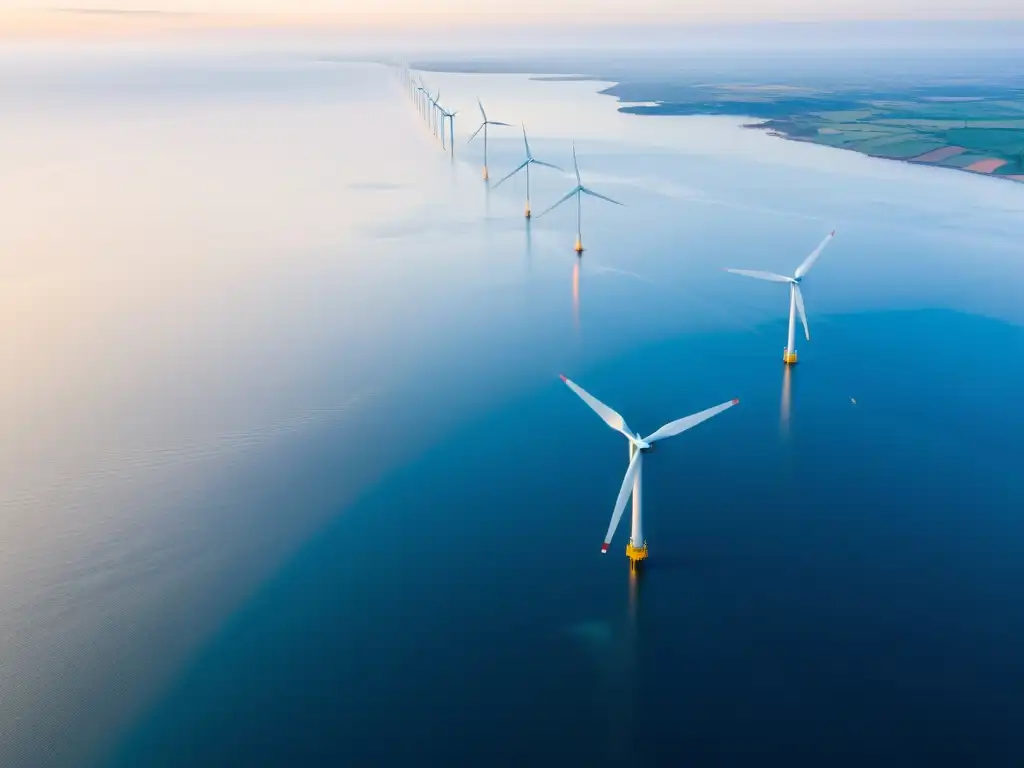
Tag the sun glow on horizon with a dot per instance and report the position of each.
(22, 19)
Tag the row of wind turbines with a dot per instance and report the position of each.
(431, 111)
(434, 114)
(632, 485)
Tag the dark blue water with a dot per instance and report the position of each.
(837, 587)
(291, 477)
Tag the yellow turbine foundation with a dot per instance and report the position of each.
(636, 555)
(789, 358)
(486, 176)
(579, 245)
(528, 214)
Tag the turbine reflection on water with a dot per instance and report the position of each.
(529, 247)
(611, 646)
(787, 373)
(632, 672)
(576, 294)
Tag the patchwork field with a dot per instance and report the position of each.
(976, 132)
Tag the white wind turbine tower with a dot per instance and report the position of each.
(426, 101)
(436, 113)
(530, 160)
(578, 192)
(451, 124)
(421, 94)
(483, 127)
(636, 550)
(796, 299)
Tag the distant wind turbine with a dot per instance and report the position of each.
(434, 111)
(421, 94)
(636, 550)
(483, 127)
(796, 299)
(530, 160)
(578, 192)
(427, 108)
(451, 126)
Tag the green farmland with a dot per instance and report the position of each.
(981, 134)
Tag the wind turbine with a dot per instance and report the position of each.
(420, 93)
(579, 191)
(796, 299)
(636, 550)
(530, 160)
(434, 111)
(483, 127)
(451, 125)
(425, 103)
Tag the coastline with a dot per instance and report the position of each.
(935, 118)
(914, 129)
(767, 128)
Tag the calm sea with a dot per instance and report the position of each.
(287, 475)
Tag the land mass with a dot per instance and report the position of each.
(952, 127)
(952, 112)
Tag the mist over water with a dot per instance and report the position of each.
(287, 473)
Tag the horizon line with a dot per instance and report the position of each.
(63, 22)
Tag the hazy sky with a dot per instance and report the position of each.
(740, 9)
(105, 19)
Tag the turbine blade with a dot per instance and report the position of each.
(610, 417)
(495, 122)
(546, 165)
(576, 165)
(688, 422)
(476, 132)
(481, 105)
(800, 308)
(527, 143)
(592, 193)
(549, 210)
(517, 170)
(761, 275)
(620, 502)
(804, 268)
